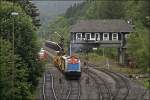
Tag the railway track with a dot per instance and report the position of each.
(51, 88)
(122, 85)
(104, 91)
(48, 87)
(144, 94)
(72, 89)
(74, 92)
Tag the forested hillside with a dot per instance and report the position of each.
(49, 10)
(19, 66)
(137, 12)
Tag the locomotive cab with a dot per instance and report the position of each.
(73, 67)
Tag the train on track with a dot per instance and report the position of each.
(70, 66)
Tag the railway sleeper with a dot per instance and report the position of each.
(123, 95)
(107, 98)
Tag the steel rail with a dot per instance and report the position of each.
(79, 91)
(104, 83)
(71, 90)
(106, 86)
(43, 88)
(119, 80)
(100, 97)
(52, 87)
(53, 90)
(68, 95)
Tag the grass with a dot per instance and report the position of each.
(147, 83)
(93, 57)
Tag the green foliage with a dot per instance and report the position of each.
(76, 10)
(139, 46)
(138, 43)
(5, 68)
(108, 52)
(91, 11)
(27, 67)
(105, 10)
(147, 84)
(12, 85)
(93, 57)
(61, 26)
(138, 11)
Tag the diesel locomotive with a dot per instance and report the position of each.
(69, 65)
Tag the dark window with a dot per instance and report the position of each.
(119, 36)
(105, 35)
(74, 36)
(83, 35)
(92, 35)
(79, 35)
(88, 36)
(114, 36)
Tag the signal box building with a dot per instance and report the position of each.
(101, 33)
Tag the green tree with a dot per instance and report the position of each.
(139, 46)
(13, 79)
(110, 9)
(26, 49)
(138, 12)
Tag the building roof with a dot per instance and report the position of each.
(109, 25)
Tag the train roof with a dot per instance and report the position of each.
(50, 41)
(54, 43)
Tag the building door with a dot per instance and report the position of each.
(88, 36)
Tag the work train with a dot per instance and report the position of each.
(70, 66)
